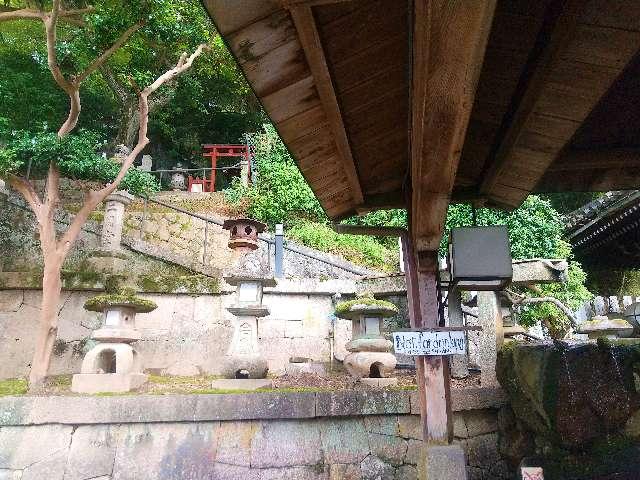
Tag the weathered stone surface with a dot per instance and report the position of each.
(165, 451)
(234, 442)
(383, 424)
(459, 426)
(344, 441)
(316, 472)
(50, 468)
(255, 406)
(369, 402)
(338, 471)
(10, 474)
(22, 447)
(406, 472)
(241, 383)
(490, 319)
(369, 345)
(442, 462)
(10, 300)
(483, 450)
(379, 382)
(479, 422)
(92, 452)
(223, 471)
(359, 364)
(373, 468)
(409, 426)
(286, 443)
(469, 399)
(183, 369)
(414, 451)
(388, 448)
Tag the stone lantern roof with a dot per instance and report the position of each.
(125, 298)
(365, 306)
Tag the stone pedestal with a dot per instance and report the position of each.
(442, 462)
(490, 319)
(114, 220)
(147, 163)
(243, 359)
(244, 172)
(459, 363)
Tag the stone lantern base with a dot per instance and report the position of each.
(109, 367)
(373, 365)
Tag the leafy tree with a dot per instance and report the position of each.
(72, 154)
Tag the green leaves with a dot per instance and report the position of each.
(75, 155)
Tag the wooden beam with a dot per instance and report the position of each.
(310, 41)
(562, 80)
(449, 41)
(599, 159)
(309, 3)
(560, 21)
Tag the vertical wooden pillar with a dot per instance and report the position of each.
(432, 372)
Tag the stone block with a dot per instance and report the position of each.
(459, 426)
(406, 472)
(469, 399)
(409, 426)
(338, 471)
(21, 447)
(483, 450)
(234, 442)
(388, 448)
(183, 369)
(442, 462)
(10, 474)
(315, 472)
(373, 468)
(92, 452)
(414, 451)
(241, 383)
(11, 300)
(50, 468)
(382, 424)
(255, 406)
(344, 440)
(168, 450)
(286, 443)
(223, 471)
(107, 382)
(374, 402)
(480, 422)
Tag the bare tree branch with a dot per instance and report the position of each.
(21, 14)
(107, 53)
(69, 16)
(517, 299)
(27, 191)
(94, 198)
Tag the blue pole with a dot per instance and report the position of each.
(279, 250)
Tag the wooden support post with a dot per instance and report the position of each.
(432, 372)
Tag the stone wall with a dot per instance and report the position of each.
(188, 333)
(262, 436)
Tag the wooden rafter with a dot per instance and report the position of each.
(310, 41)
(449, 42)
(560, 22)
(580, 160)
(309, 3)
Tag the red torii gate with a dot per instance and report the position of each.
(221, 150)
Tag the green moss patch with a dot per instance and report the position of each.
(13, 386)
(125, 298)
(388, 309)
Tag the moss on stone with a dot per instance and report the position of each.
(126, 297)
(182, 284)
(13, 386)
(344, 309)
(81, 277)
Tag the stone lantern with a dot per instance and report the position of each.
(370, 359)
(632, 315)
(250, 274)
(113, 365)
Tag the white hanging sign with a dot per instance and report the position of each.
(452, 342)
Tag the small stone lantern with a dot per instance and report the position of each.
(113, 365)
(370, 359)
(250, 274)
(632, 315)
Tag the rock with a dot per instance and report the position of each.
(369, 345)
(93, 450)
(360, 364)
(602, 326)
(372, 468)
(21, 447)
(183, 369)
(406, 472)
(284, 444)
(442, 462)
(574, 393)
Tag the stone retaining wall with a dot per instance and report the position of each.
(261, 436)
(189, 333)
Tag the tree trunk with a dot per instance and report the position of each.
(48, 328)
